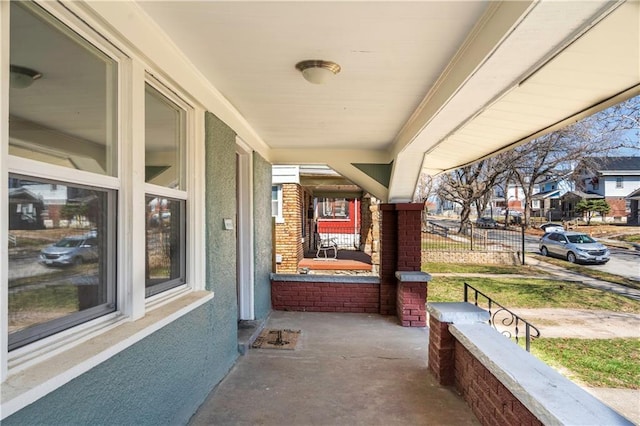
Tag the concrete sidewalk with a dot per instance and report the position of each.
(348, 369)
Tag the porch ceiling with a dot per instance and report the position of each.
(424, 84)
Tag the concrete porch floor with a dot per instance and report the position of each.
(350, 369)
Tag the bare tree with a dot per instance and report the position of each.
(424, 191)
(469, 185)
(552, 156)
(558, 154)
(424, 188)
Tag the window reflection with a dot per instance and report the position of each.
(164, 140)
(68, 116)
(58, 269)
(165, 257)
(334, 208)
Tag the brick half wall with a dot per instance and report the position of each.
(502, 383)
(488, 398)
(309, 293)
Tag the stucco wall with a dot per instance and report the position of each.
(262, 236)
(166, 376)
(161, 380)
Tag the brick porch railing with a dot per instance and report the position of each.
(501, 382)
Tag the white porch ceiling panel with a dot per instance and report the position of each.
(433, 84)
(600, 63)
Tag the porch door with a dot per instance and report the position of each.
(244, 231)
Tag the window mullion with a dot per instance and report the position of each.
(132, 224)
(196, 247)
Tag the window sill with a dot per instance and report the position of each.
(26, 385)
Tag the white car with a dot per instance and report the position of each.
(552, 227)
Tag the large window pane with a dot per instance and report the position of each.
(67, 116)
(333, 208)
(164, 140)
(61, 270)
(165, 244)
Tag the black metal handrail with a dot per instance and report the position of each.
(512, 320)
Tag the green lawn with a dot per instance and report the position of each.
(593, 362)
(479, 269)
(631, 238)
(613, 363)
(47, 298)
(531, 293)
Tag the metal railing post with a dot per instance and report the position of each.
(509, 321)
(523, 244)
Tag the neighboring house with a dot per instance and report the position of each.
(569, 201)
(615, 178)
(312, 204)
(339, 219)
(292, 209)
(546, 202)
(634, 207)
(509, 196)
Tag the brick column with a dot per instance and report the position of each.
(388, 258)
(411, 298)
(442, 342)
(400, 241)
(409, 236)
(289, 232)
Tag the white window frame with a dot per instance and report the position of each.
(108, 333)
(36, 169)
(177, 194)
(279, 214)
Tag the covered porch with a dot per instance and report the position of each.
(424, 87)
(350, 368)
(346, 369)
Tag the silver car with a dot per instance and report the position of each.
(573, 246)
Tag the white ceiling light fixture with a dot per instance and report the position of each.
(21, 77)
(317, 71)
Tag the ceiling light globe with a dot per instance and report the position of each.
(318, 71)
(21, 77)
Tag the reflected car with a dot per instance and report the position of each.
(574, 247)
(486, 222)
(72, 250)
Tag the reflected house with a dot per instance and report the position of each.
(26, 210)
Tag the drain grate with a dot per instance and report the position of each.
(277, 339)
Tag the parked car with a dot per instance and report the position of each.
(574, 247)
(71, 250)
(510, 212)
(552, 227)
(486, 222)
